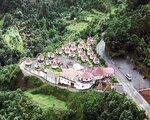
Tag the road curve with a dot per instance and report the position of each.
(128, 86)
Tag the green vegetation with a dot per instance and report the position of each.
(9, 77)
(13, 39)
(77, 27)
(47, 101)
(114, 80)
(128, 33)
(30, 27)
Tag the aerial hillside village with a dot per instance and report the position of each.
(75, 60)
(75, 65)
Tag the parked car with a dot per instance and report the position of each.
(128, 76)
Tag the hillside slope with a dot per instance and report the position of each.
(128, 34)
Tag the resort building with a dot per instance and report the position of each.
(66, 72)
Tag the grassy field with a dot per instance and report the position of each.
(13, 39)
(47, 101)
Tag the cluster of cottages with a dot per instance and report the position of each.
(73, 75)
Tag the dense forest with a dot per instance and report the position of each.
(128, 33)
(42, 25)
(29, 27)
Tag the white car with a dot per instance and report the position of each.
(128, 76)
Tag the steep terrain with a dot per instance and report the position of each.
(128, 33)
(30, 27)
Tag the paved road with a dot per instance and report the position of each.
(126, 66)
(129, 87)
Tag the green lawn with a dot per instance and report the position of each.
(47, 101)
(13, 39)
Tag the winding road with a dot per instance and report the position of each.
(122, 67)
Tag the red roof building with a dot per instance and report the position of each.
(59, 51)
(84, 58)
(63, 66)
(90, 39)
(92, 56)
(51, 55)
(73, 48)
(82, 54)
(100, 71)
(96, 61)
(89, 70)
(79, 50)
(28, 62)
(70, 74)
(67, 50)
(54, 65)
(89, 48)
(56, 59)
(40, 58)
(90, 52)
(86, 76)
(48, 62)
(89, 43)
(80, 46)
(72, 54)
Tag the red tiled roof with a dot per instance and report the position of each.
(28, 61)
(59, 51)
(56, 59)
(89, 48)
(63, 66)
(50, 54)
(89, 70)
(73, 48)
(70, 73)
(54, 65)
(96, 60)
(80, 50)
(90, 52)
(84, 58)
(41, 57)
(80, 45)
(92, 56)
(67, 50)
(99, 71)
(89, 43)
(86, 75)
(72, 54)
(90, 39)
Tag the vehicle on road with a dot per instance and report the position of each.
(128, 76)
